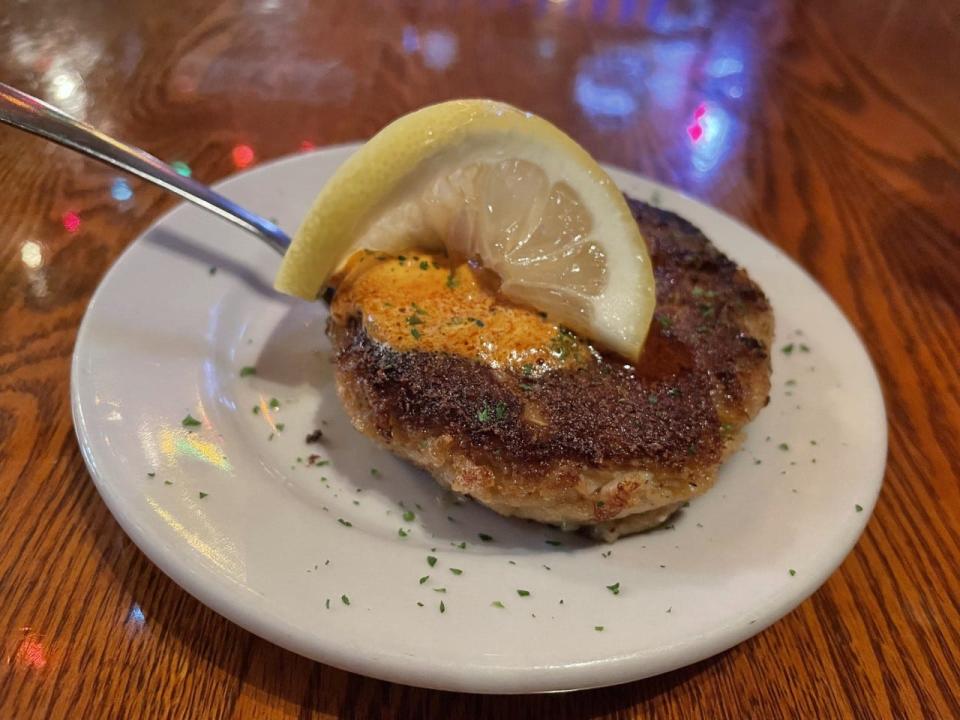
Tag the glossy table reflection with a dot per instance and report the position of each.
(829, 126)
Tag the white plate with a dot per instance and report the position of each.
(163, 337)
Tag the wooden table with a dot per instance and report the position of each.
(830, 126)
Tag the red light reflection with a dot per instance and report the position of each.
(307, 145)
(243, 156)
(71, 222)
(31, 653)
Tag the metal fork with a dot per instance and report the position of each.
(35, 116)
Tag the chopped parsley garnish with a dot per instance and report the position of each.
(598, 628)
(212, 270)
(408, 516)
(151, 474)
(487, 413)
(190, 421)
(563, 344)
(443, 608)
(462, 545)
(783, 446)
(859, 508)
(419, 604)
(452, 281)
(203, 495)
(415, 333)
(248, 370)
(787, 349)
(345, 523)
(790, 383)
(424, 265)
(607, 554)
(523, 593)
(431, 560)
(456, 571)
(274, 403)
(727, 427)
(401, 258)
(792, 572)
(440, 590)
(653, 399)
(280, 427)
(256, 409)
(424, 579)
(804, 348)
(497, 604)
(615, 588)
(527, 369)
(665, 322)
(168, 482)
(374, 472)
(345, 599)
(328, 603)
(414, 320)
(402, 533)
(485, 537)
(555, 543)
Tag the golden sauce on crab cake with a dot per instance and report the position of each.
(422, 302)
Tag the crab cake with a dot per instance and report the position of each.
(498, 402)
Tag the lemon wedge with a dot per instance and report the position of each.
(495, 185)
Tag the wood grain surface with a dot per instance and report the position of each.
(830, 126)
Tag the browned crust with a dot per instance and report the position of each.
(658, 430)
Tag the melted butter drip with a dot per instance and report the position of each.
(421, 301)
